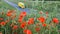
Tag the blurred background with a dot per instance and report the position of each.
(40, 5)
(47, 5)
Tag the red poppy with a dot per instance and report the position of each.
(55, 20)
(0, 32)
(31, 21)
(15, 27)
(25, 31)
(20, 20)
(41, 19)
(9, 13)
(7, 21)
(44, 25)
(29, 32)
(1, 18)
(20, 16)
(37, 29)
(3, 23)
(46, 12)
(23, 25)
(23, 13)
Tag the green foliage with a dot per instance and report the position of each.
(52, 7)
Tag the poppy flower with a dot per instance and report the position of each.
(11, 11)
(15, 27)
(31, 21)
(21, 17)
(46, 12)
(55, 20)
(1, 18)
(23, 13)
(37, 29)
(41, 19)
(25, 31)
(29, 32)
(7, 21)
(44, 25)
(9, 14)
(3, 23)
(23, 25)
(0, 32)
(20, 20)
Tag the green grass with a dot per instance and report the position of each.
(4, 5)
(50, 6)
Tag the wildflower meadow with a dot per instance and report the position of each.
(38, 17)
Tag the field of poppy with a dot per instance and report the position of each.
(44, 18)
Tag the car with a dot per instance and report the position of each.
(21, 5)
